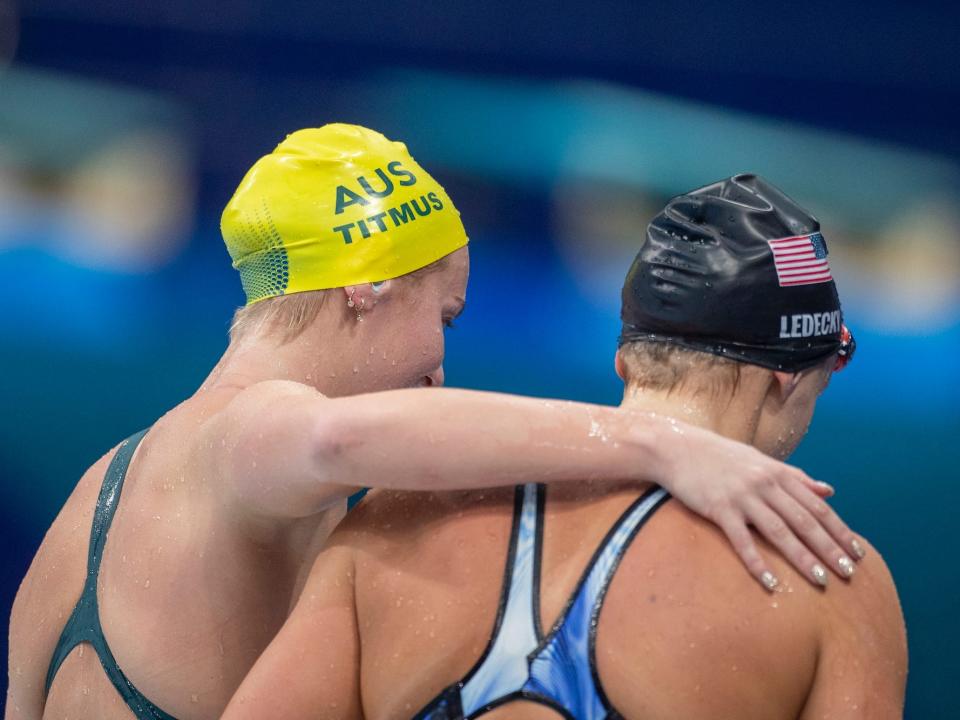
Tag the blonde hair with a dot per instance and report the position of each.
(290, 315)
(666, 367)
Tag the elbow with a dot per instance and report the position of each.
(337, 437)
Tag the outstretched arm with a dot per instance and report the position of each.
(289, 452)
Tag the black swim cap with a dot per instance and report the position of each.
(736, 269)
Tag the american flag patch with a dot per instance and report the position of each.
(801, 260)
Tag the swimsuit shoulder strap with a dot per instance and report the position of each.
(84, 622)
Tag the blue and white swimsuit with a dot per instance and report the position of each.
(520, 663)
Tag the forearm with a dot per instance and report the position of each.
(461, 439)
(287, 452)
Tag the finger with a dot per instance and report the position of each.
(778, 533)
(811, 533)
(828, 519)
(734, 526)
(818, 486)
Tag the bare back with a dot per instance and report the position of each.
(682, 633)
(188, 596)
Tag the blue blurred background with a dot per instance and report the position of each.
(559, 129)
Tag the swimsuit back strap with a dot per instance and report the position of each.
(564, 667)
(107, 504)
(84, 622)
(503, 668)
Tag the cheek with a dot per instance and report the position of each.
(433, 347)
(421, 348)
(795, 426)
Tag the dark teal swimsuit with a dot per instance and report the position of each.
(84, 623)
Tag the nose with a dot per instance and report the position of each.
(435, 379)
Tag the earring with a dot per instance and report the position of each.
(350, 302)
(360, 309)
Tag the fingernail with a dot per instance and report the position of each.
(819, 575)
(827, 486)
(846, 566)
(858, 549)
(769, 580)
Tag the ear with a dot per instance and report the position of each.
(619, 367)
(367, 295)
(785, 383)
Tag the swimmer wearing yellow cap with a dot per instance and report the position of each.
(335, 206)
(352, 258)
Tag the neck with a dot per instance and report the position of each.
(733, 415)
(306, 359)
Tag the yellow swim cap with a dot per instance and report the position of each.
(334, 206)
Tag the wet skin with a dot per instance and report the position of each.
(192, 589)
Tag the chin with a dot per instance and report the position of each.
(777, 450)
(785, 451)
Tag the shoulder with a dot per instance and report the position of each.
(684, 614)
(862, 650)
(865, 612)
(268, 392)
(711, 618)
(254, 406)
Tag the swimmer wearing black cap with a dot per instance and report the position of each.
(737, 269)
(603, 600)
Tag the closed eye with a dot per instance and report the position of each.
(448, 322)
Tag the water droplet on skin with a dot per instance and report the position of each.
(194, 698)
(355, 369)
(146, 584)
